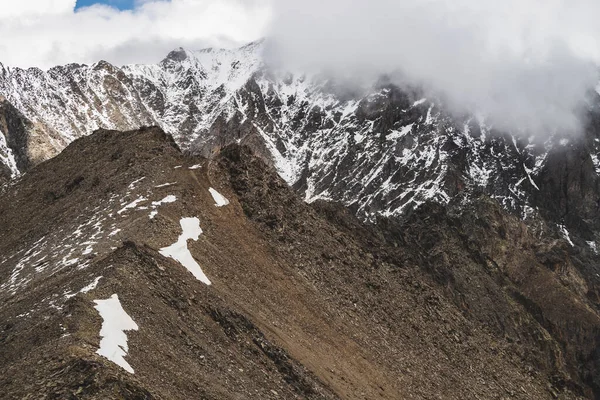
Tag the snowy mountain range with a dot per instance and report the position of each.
(381, 152)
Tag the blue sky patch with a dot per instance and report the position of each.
(120, 4)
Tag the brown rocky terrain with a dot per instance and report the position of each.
(462, 301)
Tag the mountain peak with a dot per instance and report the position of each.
(100, 65)
(178, 55)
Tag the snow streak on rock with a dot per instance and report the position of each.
(7, 157)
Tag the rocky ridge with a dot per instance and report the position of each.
(306, 301)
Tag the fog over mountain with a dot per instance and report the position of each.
(46, 33)
(527, 65)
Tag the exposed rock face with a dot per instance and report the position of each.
(455, 301)
(25, 143)
(382, 152)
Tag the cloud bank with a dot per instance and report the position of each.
(525, 64)
(45, 33)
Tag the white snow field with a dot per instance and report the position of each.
(113, 344)
(180, 252)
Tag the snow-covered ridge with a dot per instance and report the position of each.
(384, 152)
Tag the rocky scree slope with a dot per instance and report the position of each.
(305, 301)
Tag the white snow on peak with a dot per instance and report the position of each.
(219, 199)
(206, 80)
(307, 127)
(116, 321)
(179, 250)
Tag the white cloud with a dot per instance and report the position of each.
(33, 8)
(50, 32)
(525, 63)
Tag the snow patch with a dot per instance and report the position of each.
(85, 289)
(88, 250)
(596, 162)
(528, 172)
(565, 234)
(155, 204)
(133, 184)
(197, 166)
(219, 199)
(398, 134)
(179, 250)
(133, 204)
(169, 199)
(113, 233)
(116, 321)
(91, 286)
(165, 184)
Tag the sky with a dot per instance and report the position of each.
(119, 4)
(527, 64)
(45, 33)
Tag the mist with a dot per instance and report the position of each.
(526, 65)
(46, 33)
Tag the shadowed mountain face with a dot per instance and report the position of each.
(458, 300)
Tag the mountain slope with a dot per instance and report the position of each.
(383, 151)
(306, 301)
